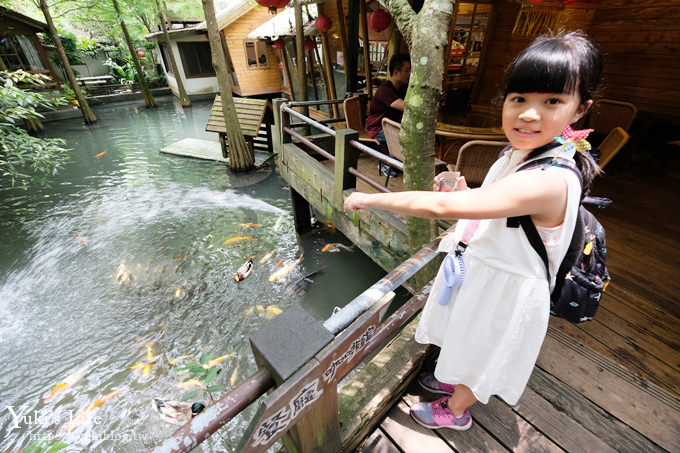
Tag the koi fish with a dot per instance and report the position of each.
(285, 270)
(237, 239)
(82, 240)
(234, 376)
(82, 416)
(280, 262)
(267, 257)
(178, 291)
(272, 311)
(100, 155)
(278, 223)
(123, 275)
(190, 383)
(335, 247)
(71, 379)
(244, 271)
(174, 361)
(149, 352)
(251, 225)
(214, 362)
(330, 226)
(257, 308)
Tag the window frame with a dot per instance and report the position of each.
(182, 47)
(257, 45)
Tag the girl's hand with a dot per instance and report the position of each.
(356, 201)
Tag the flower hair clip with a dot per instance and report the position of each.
(572, 139)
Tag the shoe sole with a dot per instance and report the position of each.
(455, 428)
(433, 390)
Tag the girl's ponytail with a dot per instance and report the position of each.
(585, 162)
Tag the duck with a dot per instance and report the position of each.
(177, 412)
(244, 270)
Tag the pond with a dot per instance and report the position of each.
(121, 267)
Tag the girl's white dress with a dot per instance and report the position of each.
(491, 331)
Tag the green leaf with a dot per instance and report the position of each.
(212, 374)
(216, 388)
(205, 359)
(190, 395)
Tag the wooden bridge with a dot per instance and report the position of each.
(611, 384)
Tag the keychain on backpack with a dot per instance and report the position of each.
(453, 267)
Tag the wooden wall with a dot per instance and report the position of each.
(641, 44)
(252, 81)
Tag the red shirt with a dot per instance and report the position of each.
(380, 107)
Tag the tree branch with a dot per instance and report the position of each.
(403, 16)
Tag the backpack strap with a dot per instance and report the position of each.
(530, 229)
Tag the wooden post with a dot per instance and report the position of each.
(278, 124)
(345, 156)
(332, 94)
(367, 57)
(319, 430)
(352, 45)
(312, 73)
(286, 69)
(302, 214)
(343, 35)
(300, 57)
(223, 145)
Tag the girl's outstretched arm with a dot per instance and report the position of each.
(541, 194)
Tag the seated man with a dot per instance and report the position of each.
(388, 101)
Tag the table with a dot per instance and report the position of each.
(451, 137)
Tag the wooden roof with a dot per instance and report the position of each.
(13, 15)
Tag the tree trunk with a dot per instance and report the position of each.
(426, 34)
(88, 116)
(2, 65)
(184, 99)
(300, 59)
(343, 35)
(241, 157)
(149, 101)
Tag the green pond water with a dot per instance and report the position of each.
(154, 282)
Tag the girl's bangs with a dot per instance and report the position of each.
(542, 73)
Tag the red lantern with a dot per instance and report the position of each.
(323, 23)
(309, 44)
(273, 5)
(378, 20)
(141, 54)
(279, 44)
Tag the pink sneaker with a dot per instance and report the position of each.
(431, 384)
(437, 415)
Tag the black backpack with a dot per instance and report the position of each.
(582, 276)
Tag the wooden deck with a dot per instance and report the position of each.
(612, 384)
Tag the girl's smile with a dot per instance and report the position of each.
(531, 120)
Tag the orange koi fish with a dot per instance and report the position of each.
(267, 257)
(237, 239)
(280, 262)
(100, 155)
(82, 416)
(71, 379)
(82, 240)
(334, 247)
(285, 270)
(250, 224)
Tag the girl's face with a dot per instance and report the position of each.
(531, 120)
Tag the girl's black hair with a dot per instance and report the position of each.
(561, 63)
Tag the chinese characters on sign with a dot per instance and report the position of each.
(356, 346)
(279, 422)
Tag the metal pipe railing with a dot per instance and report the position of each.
(188, 436)
(368, 180)
(308, 120)
(378, 155)
(307, 142)
(391, 281)
(316, 102)
(332, 120)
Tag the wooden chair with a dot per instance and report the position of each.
(606, 115)
(611, 145)
(355, 120)
(475, 158)
(254, 115)
(392, 130)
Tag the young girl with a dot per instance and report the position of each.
(491, 327)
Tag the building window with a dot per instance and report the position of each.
(18, 52)
(166, 59)
(196, 59)
(256, 53)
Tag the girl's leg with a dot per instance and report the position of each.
(462, 399)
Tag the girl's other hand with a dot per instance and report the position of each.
(462, 185)
(355, 202)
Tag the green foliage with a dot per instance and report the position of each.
(24, 158)
(70, 43)
(205, 374)
(89, 47)
(122, 74)
(45, 445)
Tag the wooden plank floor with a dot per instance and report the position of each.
(612, 384)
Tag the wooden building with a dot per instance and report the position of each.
(252, 64)
(20, 47)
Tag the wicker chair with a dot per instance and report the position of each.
(355, 120)
(607, 114)
(475, 158)
(611, 145)
(392, 130)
